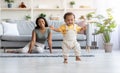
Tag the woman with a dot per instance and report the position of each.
(40, 35)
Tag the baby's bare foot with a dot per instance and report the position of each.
(65, 61)
(78, 58)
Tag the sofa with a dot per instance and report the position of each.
(15, 34)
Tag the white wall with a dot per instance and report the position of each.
(43, 4)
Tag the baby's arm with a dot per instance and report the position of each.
(54, 29)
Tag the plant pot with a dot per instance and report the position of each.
(28, 19)
(108, 47)
(72, 6)
(9, 5)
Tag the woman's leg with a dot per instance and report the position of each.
(25, 49)
(38, 48)
(13, 51)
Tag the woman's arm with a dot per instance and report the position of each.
(50, 41)
(32, 43)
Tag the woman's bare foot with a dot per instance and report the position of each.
(78, 58)
(12, 52)
(65, 61)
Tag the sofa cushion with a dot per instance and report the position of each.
(24, 27)
(16, 38)
(81, 37)
(1, 29)
(54, 32)
(10, 29)
(55, 23)
(57, 37)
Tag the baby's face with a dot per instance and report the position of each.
(70, 20)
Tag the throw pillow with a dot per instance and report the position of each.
(81, 24)
(10, 29)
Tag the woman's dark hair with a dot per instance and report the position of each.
(67, 14)
(46, 24)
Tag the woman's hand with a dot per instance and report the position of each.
(50, 51)
(30, 51)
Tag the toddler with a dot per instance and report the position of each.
(69, 31)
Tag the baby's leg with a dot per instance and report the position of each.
(77, 50)
(65, 51)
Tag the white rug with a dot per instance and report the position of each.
(46, 53)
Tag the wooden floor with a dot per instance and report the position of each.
(101, 63)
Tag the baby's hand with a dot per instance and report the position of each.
(54, 29)
(51, 27)
(84, 28)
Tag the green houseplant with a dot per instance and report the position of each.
(27, 17)
(42, 15)
(9, 3)
(72, 3)
(105, 26)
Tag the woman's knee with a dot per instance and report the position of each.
(39, 49)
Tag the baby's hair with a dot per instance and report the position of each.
(67, 14)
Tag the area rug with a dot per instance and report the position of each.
(56, 53)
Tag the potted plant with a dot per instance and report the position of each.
(9, 3)
(42, 15)
(105, 26)
(72, 3)
(27, 17)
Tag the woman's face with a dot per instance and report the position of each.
(41, 23)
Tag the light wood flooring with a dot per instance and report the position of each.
(101, 63)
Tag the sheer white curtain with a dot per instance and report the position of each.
(102, 5)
